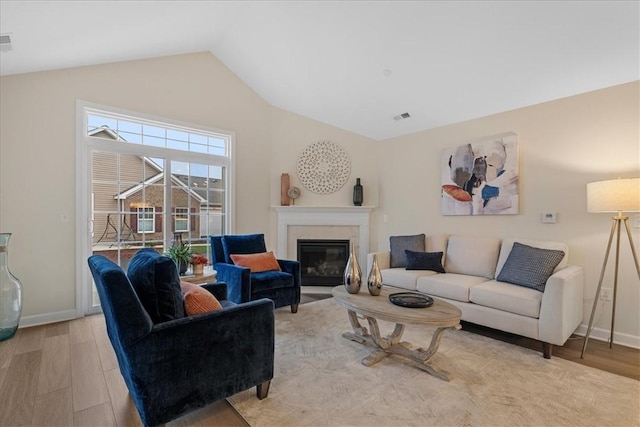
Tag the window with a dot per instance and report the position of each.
(146, 220)
(181, 218)
(140, 179)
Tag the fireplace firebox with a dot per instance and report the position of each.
(322, 262)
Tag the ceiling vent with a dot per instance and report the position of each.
(5, 42)
(401, 116)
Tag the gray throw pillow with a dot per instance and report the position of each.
(424, 261)
(529, 267)
(399, 244)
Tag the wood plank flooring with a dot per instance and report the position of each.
(66, 374)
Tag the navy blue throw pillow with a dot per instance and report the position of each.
(424, 261)
(529, 266)
(157, 283)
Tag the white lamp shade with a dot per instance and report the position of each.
(616, 195)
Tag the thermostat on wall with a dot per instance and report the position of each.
(548, 217)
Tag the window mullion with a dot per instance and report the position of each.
(167, 208)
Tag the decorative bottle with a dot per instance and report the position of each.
(357, 193)
(10, 293)
(374, 281)
(352, 272)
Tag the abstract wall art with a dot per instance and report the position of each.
(481, 177)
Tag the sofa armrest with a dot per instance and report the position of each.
(384, 261)
(562, 305)
(238, 280)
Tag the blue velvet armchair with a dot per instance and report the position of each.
(282, 287)
(176, 366)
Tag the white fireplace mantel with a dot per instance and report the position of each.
(323, 216)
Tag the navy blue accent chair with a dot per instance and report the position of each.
(282, 287)
(177, 366)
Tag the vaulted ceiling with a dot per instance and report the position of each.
(353, 64)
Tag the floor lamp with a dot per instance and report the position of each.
(618, 195)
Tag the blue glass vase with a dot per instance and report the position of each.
(10, 293)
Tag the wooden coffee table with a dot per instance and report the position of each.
(441, 315)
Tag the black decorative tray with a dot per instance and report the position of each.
(411, 300)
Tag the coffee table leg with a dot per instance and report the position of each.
(421, 357)
(382, 347)
(355, 324)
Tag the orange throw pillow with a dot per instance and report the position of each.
(198, 300)
(263, 261)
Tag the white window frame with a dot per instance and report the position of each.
(85, 145)
(143, 217)
(181, 215)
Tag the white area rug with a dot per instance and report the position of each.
(319, 381)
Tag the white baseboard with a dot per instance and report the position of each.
(42, 319)
(600, 334)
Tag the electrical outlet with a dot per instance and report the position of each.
(606, 294)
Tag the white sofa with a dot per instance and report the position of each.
(472, 265)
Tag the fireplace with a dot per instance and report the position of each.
(322, 262)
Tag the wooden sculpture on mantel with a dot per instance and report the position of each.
(284, 189)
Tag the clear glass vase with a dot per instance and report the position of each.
(10, 293)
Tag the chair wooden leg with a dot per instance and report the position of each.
(263, 389)
(294, 308)
(547, 349)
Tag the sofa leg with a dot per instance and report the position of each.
(263, 389)
(547, 349)
(294, 308)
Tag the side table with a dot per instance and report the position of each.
(209, 276)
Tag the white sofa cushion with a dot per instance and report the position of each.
(449, 285)
(401, 278)
(507, 297)
(475, 256)
(437, 243)
(507, 245)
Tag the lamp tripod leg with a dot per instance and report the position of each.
(633, 248)
(615, 284)
(614, 225)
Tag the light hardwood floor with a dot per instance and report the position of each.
(66, 374)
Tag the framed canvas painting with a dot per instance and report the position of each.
(481, 177)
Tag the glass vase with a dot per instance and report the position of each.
(352, 272)
(10, 293)
(374, 281)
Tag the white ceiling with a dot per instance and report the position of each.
(448, 61)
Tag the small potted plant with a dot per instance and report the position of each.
(199, 261)
(182, 255)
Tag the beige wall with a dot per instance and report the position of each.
(563, 145)
(37, 154)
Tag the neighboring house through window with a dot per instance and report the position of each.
(140, 179)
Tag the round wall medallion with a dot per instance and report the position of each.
(324, 167)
